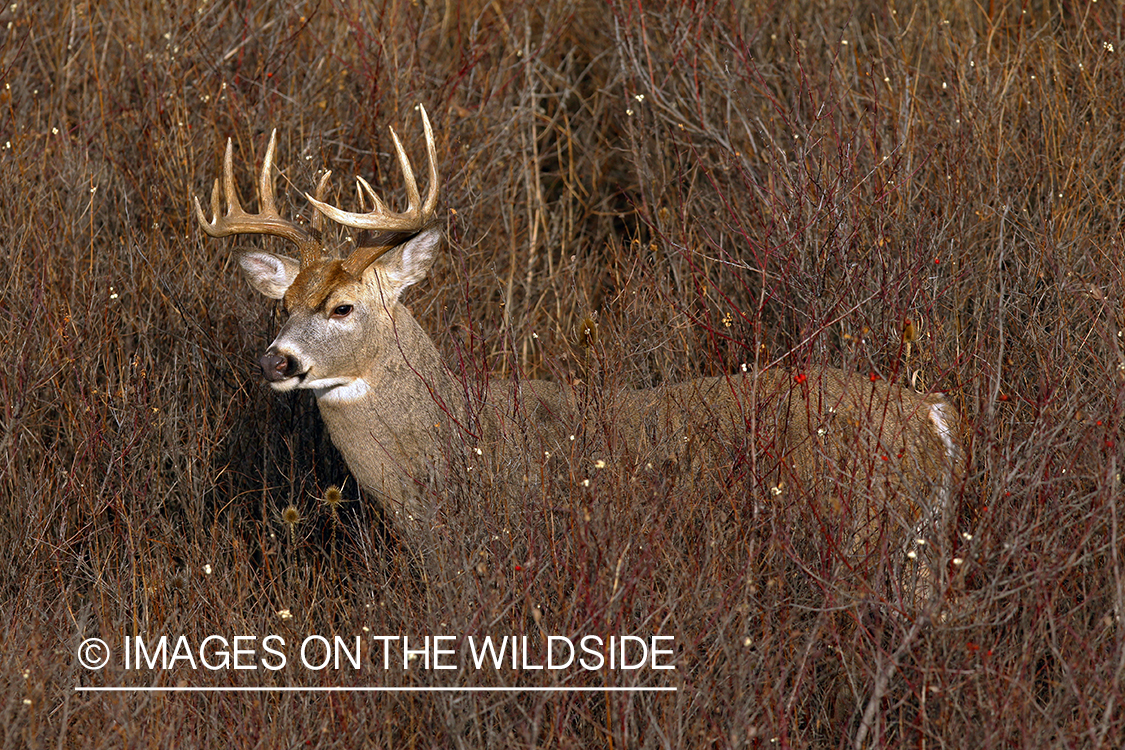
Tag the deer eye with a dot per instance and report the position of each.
(342, 311)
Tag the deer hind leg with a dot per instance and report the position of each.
(923, 552)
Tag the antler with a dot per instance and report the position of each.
(417, 216)
(267, 220)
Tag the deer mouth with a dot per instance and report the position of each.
(283, 372)
(284, 386)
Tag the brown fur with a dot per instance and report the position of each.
(315, 283)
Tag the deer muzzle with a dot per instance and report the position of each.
(277, 367)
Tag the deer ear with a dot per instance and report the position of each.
(268, 273)
(409, 262)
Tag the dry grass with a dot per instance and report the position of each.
(712, 183)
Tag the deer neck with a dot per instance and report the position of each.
(393, 424)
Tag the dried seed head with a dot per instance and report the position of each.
(588, 331)
(909, 332)
(291, 516)
(333, 497)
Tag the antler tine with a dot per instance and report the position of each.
(321, 191)
(213, 227)
(364, 187)
(417, 215)
(412, 199)
(265, 179)
(431, 152)
(268, 220)
(234, 207)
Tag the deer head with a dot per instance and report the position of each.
(341, 311)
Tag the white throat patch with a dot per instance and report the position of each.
(339, 390)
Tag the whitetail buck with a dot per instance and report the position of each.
(399, 416)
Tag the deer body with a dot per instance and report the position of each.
(398, 415)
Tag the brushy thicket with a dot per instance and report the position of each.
(708, 184)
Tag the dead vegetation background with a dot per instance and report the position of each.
(711, 184)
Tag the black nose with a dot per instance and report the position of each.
(276, 366)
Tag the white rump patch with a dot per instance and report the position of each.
(941, 423)
(941, 419)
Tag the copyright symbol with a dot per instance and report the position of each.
(93, 653)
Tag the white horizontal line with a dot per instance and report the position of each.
(376, 689)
